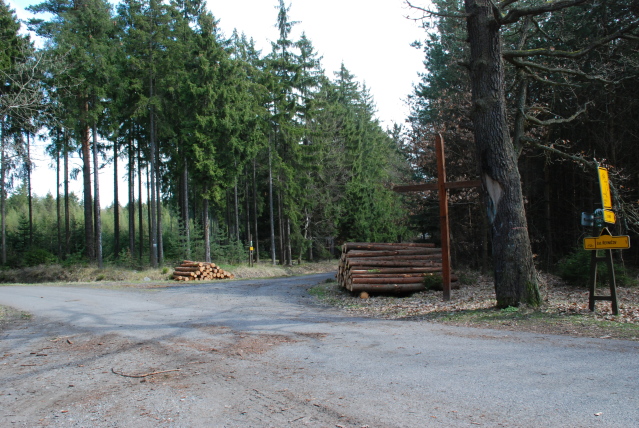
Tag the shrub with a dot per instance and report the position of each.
(38, 256)
(575, 269)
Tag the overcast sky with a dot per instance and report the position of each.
(371, 37)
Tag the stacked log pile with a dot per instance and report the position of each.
(193, 271)
(382, 267)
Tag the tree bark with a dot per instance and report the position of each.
(185, 208)
(237, 213)
(96, 200)
(116, 203)
(58, 207)
(256, 236)
(207, 230)
(3, 198)
(86, 176)
(140, 214)
(514, 271)
(67, 214)
(270, 204)
(29, 193)
(158, 208)
(131, 197)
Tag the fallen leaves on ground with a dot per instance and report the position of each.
(564, 311)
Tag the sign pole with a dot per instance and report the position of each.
(443, 214)
(603, 240)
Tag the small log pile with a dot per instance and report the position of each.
(193, 271)
(383, 267)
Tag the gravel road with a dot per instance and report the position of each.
(262, 353)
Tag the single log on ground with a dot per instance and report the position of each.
(389, 275)
(433, 256)
(382, 247)
(396, 280)
(430, 267)
(185, 274)
(411, 252)
(387, 263)
(387, 288)
(188, 269)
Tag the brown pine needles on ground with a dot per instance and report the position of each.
(564, 311)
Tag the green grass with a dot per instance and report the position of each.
(525, 319)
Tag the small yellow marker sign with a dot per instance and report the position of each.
(605, 241)
(604, 185)
(609, 216)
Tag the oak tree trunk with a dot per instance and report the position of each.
(514, 271)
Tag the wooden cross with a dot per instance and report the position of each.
(442, 187)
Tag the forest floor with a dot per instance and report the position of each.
(564, 310)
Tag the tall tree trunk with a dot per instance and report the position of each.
(280, 244)
(256, 236)
(3, 193)
(149, 212)
(229, 227)
(270, 204)
(67, 202)
(131, 203)
(515, 276)
(289, 249)
(29, 193)
(86, 175)
(237, 212)
(185, 209)
(247, 198)
(96, 204)
(58, 206)
(140, 214)
(153, 231)
(158, 208)
(207, 230)
(116, 203)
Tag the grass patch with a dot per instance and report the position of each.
(538, 321)
(121, 276)
(8, 314)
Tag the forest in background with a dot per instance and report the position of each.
(231, 145)
(235, 145)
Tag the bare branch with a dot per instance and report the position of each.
(575, 158)
(579, 73)
(428, 12)
(513, 15)
(622, 33)
(556, 121)
(506, 3)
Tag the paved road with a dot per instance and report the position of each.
(296, 363)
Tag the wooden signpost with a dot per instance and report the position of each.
(606, 242)
(441, 187)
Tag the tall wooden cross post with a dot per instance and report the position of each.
(442, 187)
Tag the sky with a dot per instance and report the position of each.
(371, 37)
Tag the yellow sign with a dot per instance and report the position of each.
(605, 241)
(251, 248)
(609, 216)
(604, 185)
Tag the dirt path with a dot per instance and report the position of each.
(261, 353)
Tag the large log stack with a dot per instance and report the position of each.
(383, 268)
(193, 271)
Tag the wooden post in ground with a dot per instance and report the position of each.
(443, 214)
(442, 187)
